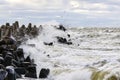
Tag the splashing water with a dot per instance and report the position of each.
(94, 55)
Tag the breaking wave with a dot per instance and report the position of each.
(94, 54)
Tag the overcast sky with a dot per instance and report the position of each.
(68, 12)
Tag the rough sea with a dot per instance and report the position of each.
(94, 54)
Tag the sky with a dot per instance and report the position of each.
(75, 13)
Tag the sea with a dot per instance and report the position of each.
(94, 54)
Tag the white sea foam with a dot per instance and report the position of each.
(93, 50)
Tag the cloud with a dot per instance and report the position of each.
(26, 3)
(75, 4)
(87, 5)
(35, 4)
(83, 6)
(67, 9)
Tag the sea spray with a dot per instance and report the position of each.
(96, 58)
(39, 51)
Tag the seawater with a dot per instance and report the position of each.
(94, 55)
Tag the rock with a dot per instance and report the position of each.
(50, 44)
(4, 53)
(44, 73)
(3, 72)
(1, 60)
(48, 55)
(61, 27)
(68, 35)
(28, 59)
(17, 24)
(20, 52)
(31, 72)
(26, 64)
(8, 40)
(34, 31)
(23, 26)
(30, 26)
(7, 24)
(8, 32)
(11, 73)
(1, 49)
(20, 70)
(2, 42)
(63, 40)
(2, 31)
(22, 31)
(10, 55)
(69, 43)
(20, 55)
(27, 31)
(8, 60)
(18, 43)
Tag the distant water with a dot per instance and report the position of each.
(94, 55)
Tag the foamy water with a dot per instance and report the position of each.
(94, 55)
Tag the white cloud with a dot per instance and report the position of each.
(36, 4)
(87, 8)
(27, 3)
(92, 12)
(87, 5)
(58, 5)
(81, 11)
(75, 4)
(37, 8)
(96, 6)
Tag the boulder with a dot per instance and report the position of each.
(17, 24)
(69, 43)
(28, 59)
(3, 74)
(63, 40)
(20, 54)
(49, 44)
(8, 60)
(2, 42)
(11, 73)
(1, 60)
(61, 27)
(8, 41)
(7, 24)
(68, 35)
(20, 70)
(44, 73)
(31, 72)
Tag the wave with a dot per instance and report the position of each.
(76, 62)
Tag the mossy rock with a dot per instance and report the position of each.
(113, 77)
